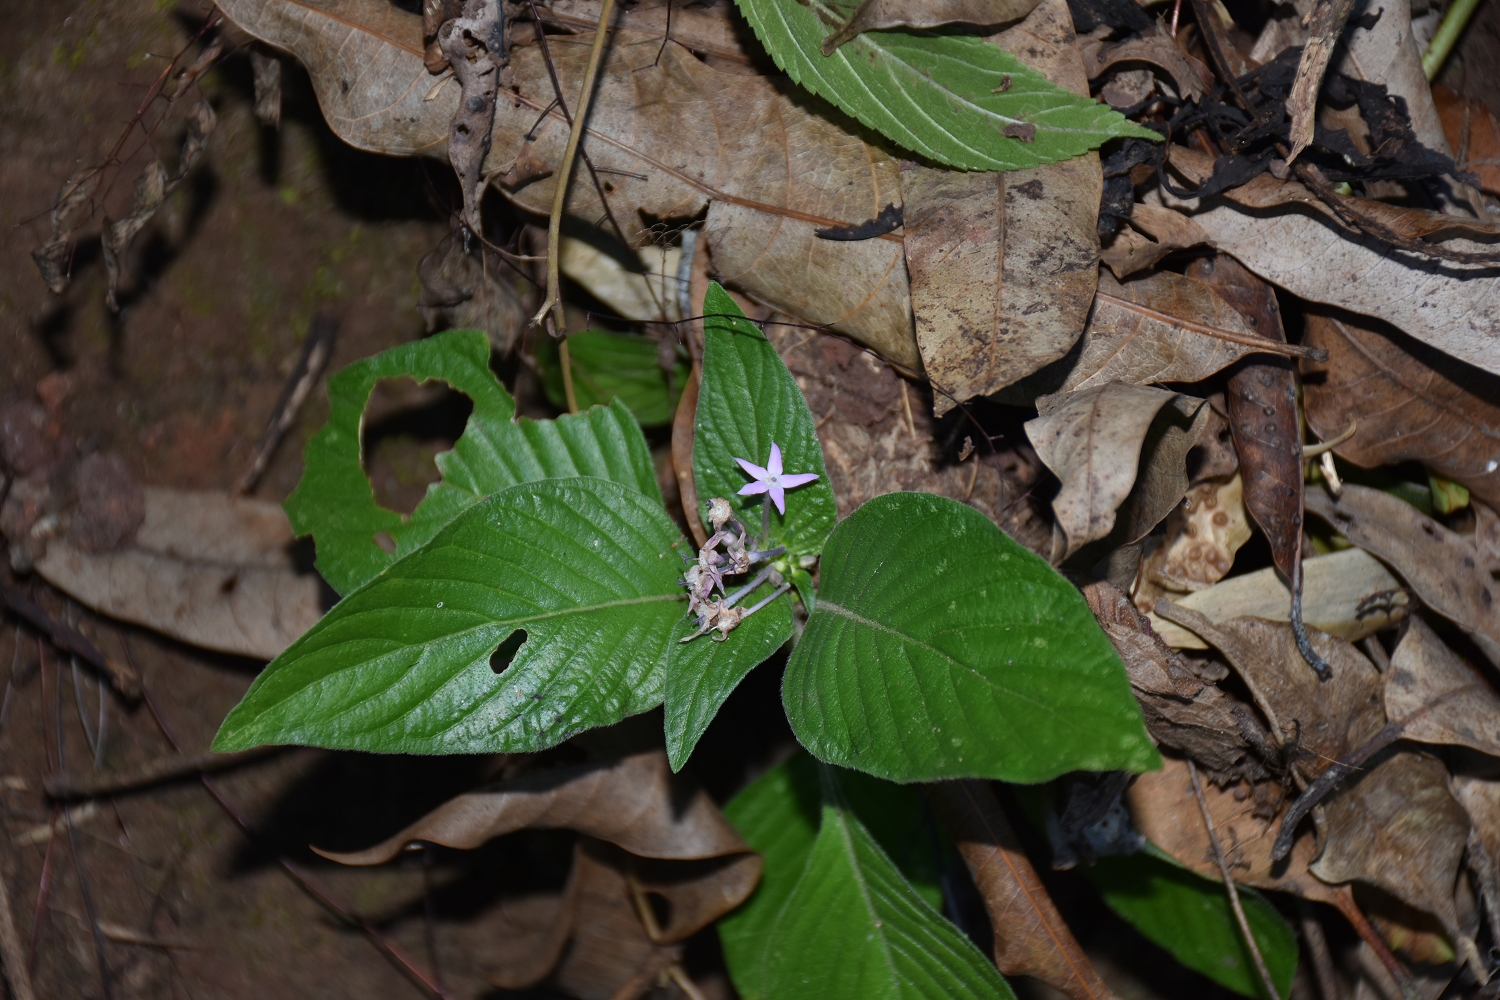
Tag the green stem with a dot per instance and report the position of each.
(1453, 25)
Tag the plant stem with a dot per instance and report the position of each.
(565, 170)
(566, 360)
(1234, 893)
(1452, 26)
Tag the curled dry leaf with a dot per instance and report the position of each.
(1094, 440)
(1407, 400)
(1153, 233)
(1385, 51)
(1452, 307)
(1325, 25)
(765, 198)
(1441, 566)
(1348, 594)
(1437, 697)
(53, 256)
(1030, 936)
(883, 15)
(1002, 265)
(1155, 47)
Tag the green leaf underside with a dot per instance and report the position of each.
(335, 503)
(609, 366)
(941, 648)
(778, 815)
(586, 567)
(935, 93)
(1190, 917)
(702, 673)
(748, 400)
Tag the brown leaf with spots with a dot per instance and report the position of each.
(1440, 565)
(1437, 697)
(1199, 543)
(1407, 400)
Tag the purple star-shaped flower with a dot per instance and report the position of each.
(771, 480)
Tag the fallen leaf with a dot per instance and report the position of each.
(647, 287)
(1406, 400)
(1153, 233)
(1325, 26)
(671, 138)
(1002, 265)
(1452, 307)
(1093, 441)
(1200, 541)
(883, 15)
(1030, 935)
(1348, 594)
(1385, 51)
(1487, 535)
(1440, 565)
(467, 290)
(1480, 797)
(1155, 47)
(1473, 132)
(1437, 697)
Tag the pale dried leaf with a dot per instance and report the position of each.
(1348, 594)
(1441, 566)
(266, 77)
(1438, 697)
(883, 15)
(644, 288)
(1201, 539)
(1386, 52)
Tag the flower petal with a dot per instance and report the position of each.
(774, 465)
(751, 469)
(798, 479)
(778, 497)
(750, 489)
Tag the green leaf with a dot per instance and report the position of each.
(703, 672)
(335, 503)
(747, 401)
(609, 366)
(778, 815)
(1189, 916)
(935, 94)
(940, 648)
(585, 567)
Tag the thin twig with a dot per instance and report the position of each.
(565, 168)
(105, 980)
(12, 955)
(125, 680)
(1263, 345)
(1322, 960)
(565, 359)
(67, 787)
(314, 358)
(1234, 893)
(1325, 783)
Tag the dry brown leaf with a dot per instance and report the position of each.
(1440, 565)
(1438, 697)
(1153, 233)
(668, 137)
(1200, 541)
(882, 15)
(1386, 52)
(1348, 594)
(1155, 47)
(1487, 535)
(1093, 441)
(1003, 265)
(1030, 935)
(1473, 133)
(1480, 797)
(468, 290)
(1407, 400)
(1452, 307)
(1181, 711)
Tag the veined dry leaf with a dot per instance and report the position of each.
(1003, 265)
(1348, 594)
(1452, 307)
(882, 15)
(1153, 233)
(1030, 935)
(670, 137)
(1440, 565)
(1155, 47)
(1181, 711)
(1407, 400)
(1093, 441)
(1438, 697)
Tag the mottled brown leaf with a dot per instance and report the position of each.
(1438, 697)
(1407, 400)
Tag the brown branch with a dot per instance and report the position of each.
(125, 680)
(1325, 783)
(315, 355)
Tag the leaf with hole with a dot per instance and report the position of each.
(748, 401)
(585, 567)
(941, 648)
(956, 99)
(335, 503)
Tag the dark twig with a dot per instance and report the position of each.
(1325, 783)
(1299, 628)
(125, 680)
(315, 355)
(1229, 886)
(1322, 959)
(65, 786)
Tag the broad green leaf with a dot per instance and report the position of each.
(585, 567)
(940, 648)
(949, 97)
(854, 928)
(1189, 916)
(335, 503)
(778, 816)
(747, 401)
(703, 672)
(609, 366)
